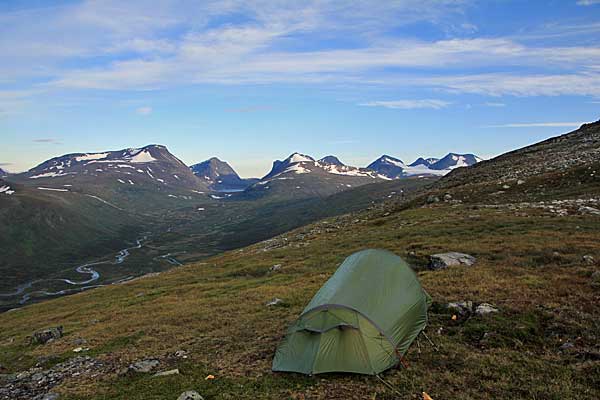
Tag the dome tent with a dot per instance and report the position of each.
(362, 320)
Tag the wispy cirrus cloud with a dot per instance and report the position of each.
(587, 2)
(144, 110)
(249, 109)
(408, 104)
(47, 140)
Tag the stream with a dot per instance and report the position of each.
(85, 269)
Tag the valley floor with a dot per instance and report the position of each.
(543, 343)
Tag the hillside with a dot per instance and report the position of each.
(537, 263)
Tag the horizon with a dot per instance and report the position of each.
(250, 82)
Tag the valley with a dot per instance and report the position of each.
(534, 236)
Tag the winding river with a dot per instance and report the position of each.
(85, 269)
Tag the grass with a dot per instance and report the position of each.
(529, 267)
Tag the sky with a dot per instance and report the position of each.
(253, 81)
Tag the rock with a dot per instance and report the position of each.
(432, 199)
(79, 341)
(445, 260)
(276, 301)
(80, 349)
(47, 335)
(520, 182)
(47, 396)
(144, 366)
(589, 210)
(181, 354)
(275, 268)
(190, 395)
(505, 187)
(596, 278)
(447, 197)
(485, 309)
(566, 346)
(589, 260)
(167, 373)
(461, 307)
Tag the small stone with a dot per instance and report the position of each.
(520, 182)
(190, 395)
(275, 268)
(485, 309)
(505, 187)
(80, 349)
(79, 341)
(447, 197)
(432, 199)
(589, 260)
(181, 354)
(596, 278)
(276, 301)
(167, 373)
(567, 346)
(445, 260)
(144, 366)
(47, 396)
(47, 335)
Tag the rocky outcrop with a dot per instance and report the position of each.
(38, 383)
(47, 335)
(445, 260)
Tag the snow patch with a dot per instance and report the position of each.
(53, 189)
(92, 156)
(6, 190)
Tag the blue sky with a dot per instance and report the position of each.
(251, 81)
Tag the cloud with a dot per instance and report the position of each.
(249, 109)
(5, 164)
(537, 124)
(144, 110)
(408, 104)
(494, 104)
(587, 2)
(47, 140)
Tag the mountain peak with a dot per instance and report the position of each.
(220, 175)
(298, 157)
(331, 160)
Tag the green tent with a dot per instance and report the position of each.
(362, 320)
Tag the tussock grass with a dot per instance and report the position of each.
(529, 267)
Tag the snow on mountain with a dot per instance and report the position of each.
(5, 189)
(151, 165)
(453, 161)
(302, 164)
(394, 168)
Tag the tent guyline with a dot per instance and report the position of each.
(362, 320)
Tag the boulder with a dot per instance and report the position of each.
(190, 395)
(432, 199)
(461, 307)
(485, 309)
(589, 260)
(445, 260)
(143, 366)
(275, 268)
(47, 335)
(276, 301)
(167, 373)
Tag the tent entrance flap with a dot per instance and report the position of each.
(362, 320)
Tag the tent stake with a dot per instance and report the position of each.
(430, 342)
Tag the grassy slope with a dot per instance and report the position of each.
(529, 266)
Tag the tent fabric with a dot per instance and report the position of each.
(362, 320)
